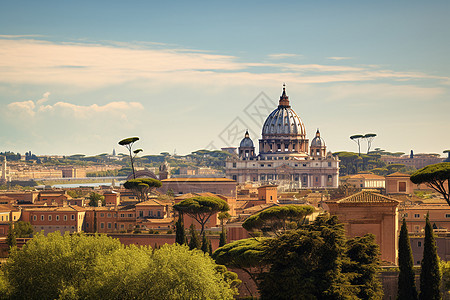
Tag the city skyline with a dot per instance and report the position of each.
(79, 77)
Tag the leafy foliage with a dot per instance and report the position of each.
(435, 176)
(95, 198)
(307, 264)
(201, 208)
(430, 275)
(194, 242)
(246, 254)
(11, 237)
(128, 143)
(23, 229)
(275, 219)
(80, 267)
(141, 187)
(406, 281)
(363, 266)
(180, 235)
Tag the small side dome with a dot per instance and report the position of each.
(246, 141)
(317, 141)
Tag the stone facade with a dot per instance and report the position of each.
(285, 158)
(369, 212)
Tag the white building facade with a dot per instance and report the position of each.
(285, 157)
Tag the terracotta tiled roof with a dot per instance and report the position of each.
(366, 176)
(367, 197)
(197, 179)
(151, 202)
(398, 174)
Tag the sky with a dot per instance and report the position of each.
(78, 76)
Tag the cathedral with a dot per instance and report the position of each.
(285, 157)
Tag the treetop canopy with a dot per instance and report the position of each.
(429, 173)
(201, 204)
(141, 182)
(243, 253)
(277, 214)
(128, 141)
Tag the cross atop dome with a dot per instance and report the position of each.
(284, 99)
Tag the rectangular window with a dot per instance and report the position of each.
(34, 218)
(49, 217)
(73, 217)
(42, 217)
(102, 215)
(57, 218)
(416, 215)
(109, 225)
(329, 164)
(65, 217)
(102, 225)
(109, 215)
(447, 215)
(234, 165)
(419, 244)
(402, 186)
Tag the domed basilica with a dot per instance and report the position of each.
(285, 157)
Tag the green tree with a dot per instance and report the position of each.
(278, 219)
(223, 238)
(45, 265)
(363, 254)
(141, 187)
(406, 282)
(369, 137)
(201, 208)
(307, 263)
(11, 237)
(435, 176)
(23, 229)
(95, 198)
(194, 243)
(246, 254)
(205, 244)
(357, 139)
(128, 143)
(180, 234)
(430, 275)
(79, 267)
(223, 234)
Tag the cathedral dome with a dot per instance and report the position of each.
(283, 120)
(317, 140)
(246, 141)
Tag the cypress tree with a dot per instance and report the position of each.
(195, 239)
(430, 275)
(180, 235)
(11, 237)
(406, 283)
(223, 238)
(204, 243)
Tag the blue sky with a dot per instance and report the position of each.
(77, 76)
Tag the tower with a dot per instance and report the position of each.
(246, 148)
(318, 148)
(164, 171)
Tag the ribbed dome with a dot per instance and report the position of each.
(317, 140)
(283, 120)
(246, 141)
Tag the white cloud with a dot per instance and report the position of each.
(23, 108)
(86, 66)
(31, 108)
(338, 58)
(283, 55)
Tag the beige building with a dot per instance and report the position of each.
(366, 181)
(369, 212)
(399, 183)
